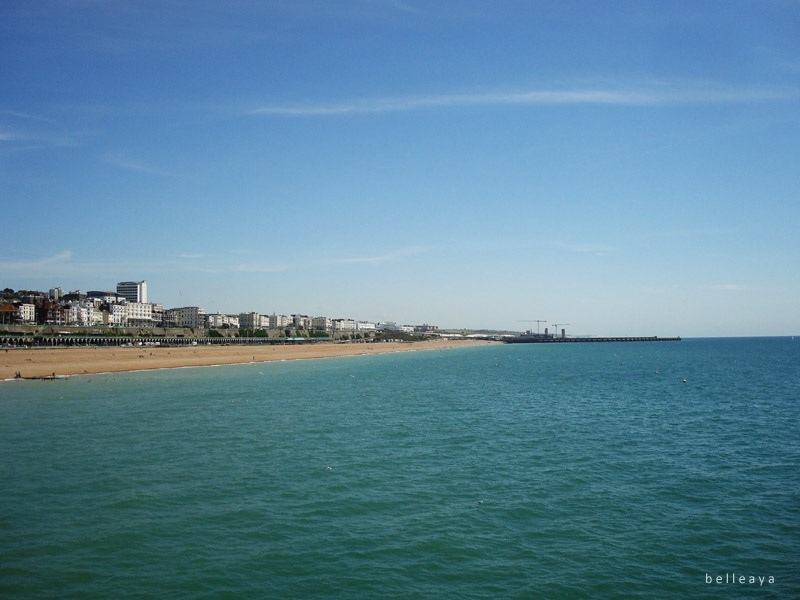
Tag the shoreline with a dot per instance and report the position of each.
(57, 363)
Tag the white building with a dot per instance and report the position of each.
(365, 326)
(80, 314)
(188, 316)
(133, 291)
(343, 325)
(117, 315)
(157, 310)
(279, 321)
(321, 323)
(27, 313)
(139, 314)
(302, 321)
(250, 320)
(220, 321)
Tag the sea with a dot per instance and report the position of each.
(596, 470)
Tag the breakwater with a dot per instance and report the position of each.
(542, 339)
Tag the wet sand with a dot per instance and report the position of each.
(43, 362)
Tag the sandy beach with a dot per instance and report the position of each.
(42, 362)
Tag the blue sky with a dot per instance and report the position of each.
(624, 167)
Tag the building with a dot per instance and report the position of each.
(104, 297)
(139, 314)
(157, 311)
(187, 316)
(9, 313)
(117, 315)
(27, 313)
(366, 326)
(279, 321)
(301, 322)
(80, 314)
(343, 325)
(250, 320)
(220, 321)
(321, 324)
(133, 291)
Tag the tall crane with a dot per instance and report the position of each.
(556, 326)
(537, 321)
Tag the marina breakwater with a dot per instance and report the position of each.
(548, 339)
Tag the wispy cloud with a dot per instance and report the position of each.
(16, 114)
(596, 249)
(648, 94)
(22, 138)
(397, 5)
(122, 162)
(377, 259)
(34, 265)
(200, 263)
(66, 264)
(726, 287)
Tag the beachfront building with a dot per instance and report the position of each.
(220, 321)
(139, 314)
(133, 291)
(301, 322)
(250, 320)
(168, 319)
(340, 325)
(188, 316)
(321, 324)
(9, 313)
(157, 311)
(117, 315)
(27, 313)
(80, 314)
(279, 321)
(365, 326)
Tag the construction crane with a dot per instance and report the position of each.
(537, 321)
(556, 326)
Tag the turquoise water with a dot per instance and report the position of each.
(511, 471)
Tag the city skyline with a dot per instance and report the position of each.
(628, 168)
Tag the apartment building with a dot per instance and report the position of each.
(133, 291)
(220, 321)
(279, 321)
(250, 320)
(187, 316)
(139, 314)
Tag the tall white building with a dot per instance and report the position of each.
(133, 291)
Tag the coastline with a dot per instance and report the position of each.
(40, 363)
